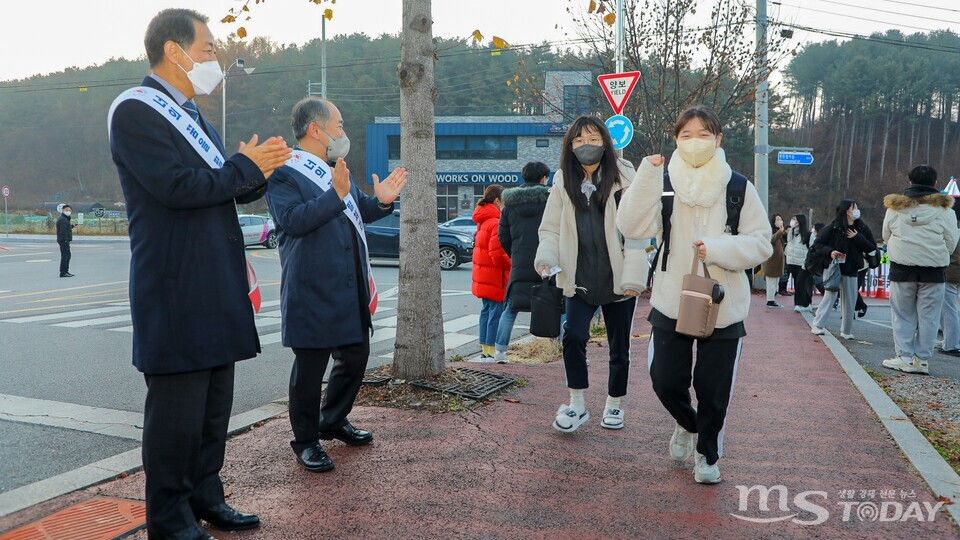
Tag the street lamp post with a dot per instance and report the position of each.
(223, 97)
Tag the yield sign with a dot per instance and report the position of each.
(617, 87)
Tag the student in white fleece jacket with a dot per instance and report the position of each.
(699, 174)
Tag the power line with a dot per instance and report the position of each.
(858, 17)
(921, 5)
(874, 39)
(890, 12)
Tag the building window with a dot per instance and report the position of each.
(543, 143)
(393, 147)
(465, 147)
(576, 100)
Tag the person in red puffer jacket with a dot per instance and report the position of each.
(491, 268)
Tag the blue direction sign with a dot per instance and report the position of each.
(621, 130)
(794, 158)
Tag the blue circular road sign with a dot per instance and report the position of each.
(621, 130)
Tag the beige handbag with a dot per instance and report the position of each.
(700, 299)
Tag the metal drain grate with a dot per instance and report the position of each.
(99, 518)
(474, 384)
(373, 377)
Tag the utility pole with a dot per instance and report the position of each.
(323, 57)
(619, 36)
(761, 125)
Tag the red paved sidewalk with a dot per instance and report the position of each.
(503, 472)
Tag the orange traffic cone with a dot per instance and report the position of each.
(884, 292)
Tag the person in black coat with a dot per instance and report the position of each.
(523, 208)
(325, 294)
(845, 239)
(64, 237)
(192, 318)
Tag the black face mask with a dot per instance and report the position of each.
(588, 154)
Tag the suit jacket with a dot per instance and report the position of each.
(188, 286)
(320, 290)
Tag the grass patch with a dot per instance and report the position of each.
(947, 445)
(535, 351)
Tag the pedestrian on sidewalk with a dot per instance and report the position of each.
(920, 229)
(192, 317)
(699, 174)
(798, 244)
(773, 267)
(523, 208)
(844, 240)
(327, 293)
(491, 268)
(64, 237)
(579, 235)
(950, 317)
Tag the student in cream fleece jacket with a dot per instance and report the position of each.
(578, 233)
(699, 174)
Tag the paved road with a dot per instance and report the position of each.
(873, 342)
(68, 393)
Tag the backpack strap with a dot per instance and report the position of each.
(736, 193)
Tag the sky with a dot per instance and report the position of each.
(45, 36)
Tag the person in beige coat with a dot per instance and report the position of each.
(699, 174)
(773, 267)
(578, 235)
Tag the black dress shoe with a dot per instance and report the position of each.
(348, 434)
(314, 459)
(190, 533)
(66, 274)
(225, 518)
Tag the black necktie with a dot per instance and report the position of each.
(192, 110)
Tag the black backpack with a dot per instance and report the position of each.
(736, 192)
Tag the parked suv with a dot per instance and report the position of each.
(258, 230)
(383, 241)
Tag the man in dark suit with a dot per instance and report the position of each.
(192, 319)
(325, 295)
(64, 237)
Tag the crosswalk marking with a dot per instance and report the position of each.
(65, 315)
(461, 323)
(95, 322)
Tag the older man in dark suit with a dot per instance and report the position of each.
(326, 291)
(192, 319)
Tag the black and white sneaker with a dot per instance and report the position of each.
(773, 304)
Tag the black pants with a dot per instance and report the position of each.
(671, 364)
(802, 285)
(185, 422)
(618, 318)
(308, 415)
(64, 257)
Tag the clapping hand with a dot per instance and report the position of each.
(269, 155)
(656, 160)
(388, 190)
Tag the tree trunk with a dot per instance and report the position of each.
(419, 348)
(929, 120)
(853, 135)
(945, 118)
(896, 164)
(913, 131)
(833, 152)
(886, 138)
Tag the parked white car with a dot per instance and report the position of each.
(460, 224)
(258, 230)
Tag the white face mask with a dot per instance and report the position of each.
(793, 224)
(697, 152)
(205, 76)
(855, 214)
(67, 213)
(337, 147)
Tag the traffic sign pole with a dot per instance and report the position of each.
(5, 191)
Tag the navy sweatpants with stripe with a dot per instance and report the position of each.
(670, 359)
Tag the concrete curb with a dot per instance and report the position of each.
(935, 471)
(109, 468)
(52, 239)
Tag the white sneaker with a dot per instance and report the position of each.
(681, 444)
(612, 419)
(801, 309)
(500, 357)
(817, 330)
(568, 420)
(704, 473)
(846, 336)
(481, 360)
(915, 365)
